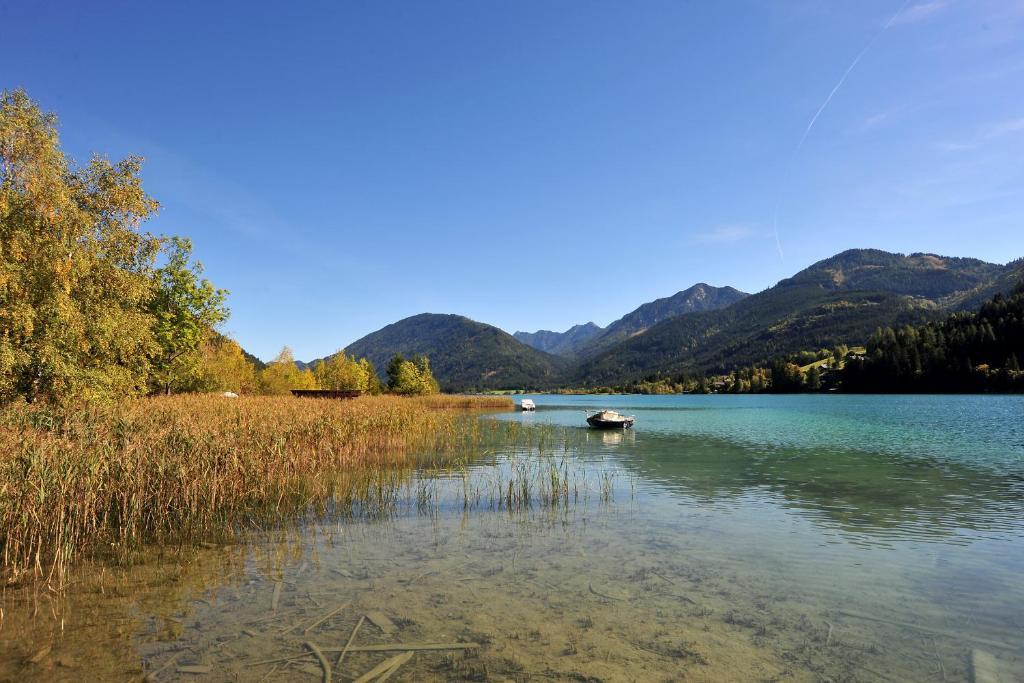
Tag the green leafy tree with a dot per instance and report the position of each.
(76, 273)
(839, 355)
(394, 369)
(813, 378)
(411, 377)
(786, 376)
(185, 307)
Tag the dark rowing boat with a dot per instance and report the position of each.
(609, 419)
(327, 393)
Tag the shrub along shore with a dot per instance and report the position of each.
(106, 479)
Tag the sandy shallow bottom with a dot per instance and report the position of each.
(609, 594)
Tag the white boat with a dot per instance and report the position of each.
(527, 405)
(609, 419)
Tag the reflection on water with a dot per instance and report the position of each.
(616, 437)
(876, 498)
(726, 538)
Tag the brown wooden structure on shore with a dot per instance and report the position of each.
(326, 393)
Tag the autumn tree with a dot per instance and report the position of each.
(223, 367)
(341, 372)
(373, 383)
(76, 273)
(282, 375)
(428, 385)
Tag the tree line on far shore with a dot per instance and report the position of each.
(225, 367)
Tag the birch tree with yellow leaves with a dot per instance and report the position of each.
(85, 311)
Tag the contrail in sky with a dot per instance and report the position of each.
(821, 109)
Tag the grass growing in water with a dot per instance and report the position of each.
(537, 467)
(107, 479)
(465, 402)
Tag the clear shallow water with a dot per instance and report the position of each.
(725, 538)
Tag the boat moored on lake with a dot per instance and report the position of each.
(527, 405)
(609, 419)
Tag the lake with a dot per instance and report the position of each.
(725, 538)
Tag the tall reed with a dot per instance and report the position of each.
(110, 478)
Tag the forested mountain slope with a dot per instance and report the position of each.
(699, 297)
(968, 351)
(842, 299)
(464, 354)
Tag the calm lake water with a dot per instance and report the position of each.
(725, 538)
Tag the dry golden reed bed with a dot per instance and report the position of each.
(168, 469)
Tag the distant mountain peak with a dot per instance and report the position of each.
(560, 343)
(588, 338)
(919, 274)
(693, 299)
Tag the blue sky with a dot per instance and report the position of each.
(342, 165)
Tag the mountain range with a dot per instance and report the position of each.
(702, 329)
(589, 339)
